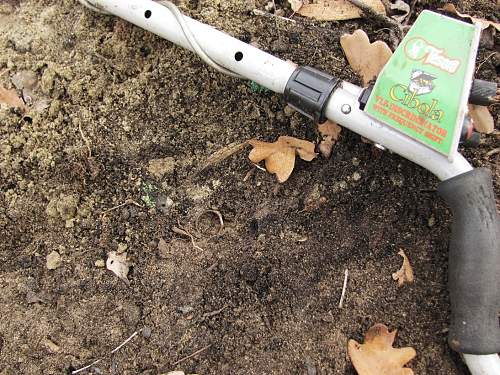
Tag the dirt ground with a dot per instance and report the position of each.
(260, 296)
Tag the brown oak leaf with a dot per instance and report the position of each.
(333, 10)
(366, 59)
(280, 156)
(376, 356)
(481, 118)
(330, 133)
(405, 273)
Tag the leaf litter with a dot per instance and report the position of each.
(333, 10)
(279, 156)
(376, 356)
(405, 273)
(119, 265)
(482, 119)
(366, 59)
(330, 133)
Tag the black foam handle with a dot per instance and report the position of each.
(474, 263)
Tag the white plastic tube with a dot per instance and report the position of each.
(231, 53)
(274, 73)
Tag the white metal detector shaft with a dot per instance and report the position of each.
(273, 73)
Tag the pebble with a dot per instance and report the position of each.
(355, 162)
(146, 332)
(53, 260)
(100, 263)
(356, 176)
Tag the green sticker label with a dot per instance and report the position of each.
(423, 89)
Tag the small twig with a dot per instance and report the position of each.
(344, 288)
(259, 167)
(412, 8)
(213, 313)
(184, 232)
(259, 12)
(486, 59)
(112, 352)
(191, 355)
(380, 18)
(128, 201)
(493, 152)
(87, 142)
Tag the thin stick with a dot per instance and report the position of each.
(486, 59)
(344, 288)
(113, 351)
(259, 12)
(128, 201)
(87, 142)
(191, 355)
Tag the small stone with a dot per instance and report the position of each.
(431, 221)
(122, 247)
(161, 167)
(146, 332)
(289, 111)
(397, 180)
(100, 263)
(51, 345)
(185, 309)
(53, 260)
(356, 176)
(355, 162)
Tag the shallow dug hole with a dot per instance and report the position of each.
(259, 296)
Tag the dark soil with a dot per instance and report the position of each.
(263, 293)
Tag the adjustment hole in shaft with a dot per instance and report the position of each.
(238, 56)
(147, 14)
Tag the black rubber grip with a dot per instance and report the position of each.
(474, 263)
(483, 92)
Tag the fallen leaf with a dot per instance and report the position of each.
(333, 10)
(405, 273)
(401, 6)
(296, 4)
(481, 118)
(330, 133)
(27, 81)
(11, 99)
(365, 58)
(280, 156)
(475, 20)
(119, 265)
(376, 356)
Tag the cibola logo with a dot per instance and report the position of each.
(420, 49)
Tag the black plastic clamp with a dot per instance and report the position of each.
(308, 90)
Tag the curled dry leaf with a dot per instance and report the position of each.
(365, 58)
(405, 273)
(400, 6)
(119, 265)
(477, 21)
(11, 99)
(481, 118)
(333, 10)
(280, 155)
(376, 356)
(330, 133)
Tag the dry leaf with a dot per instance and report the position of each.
(401, 6)
(330, 132)
(481, 118)
(334, 10)
(296, 4)
(119, 265)
(280, 155)
(405, 273)
(365, 58)
(11, 98)
(376, 356)
(477, 21)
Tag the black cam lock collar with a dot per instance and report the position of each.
(308, 91)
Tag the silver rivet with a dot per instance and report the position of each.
(346, 108)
